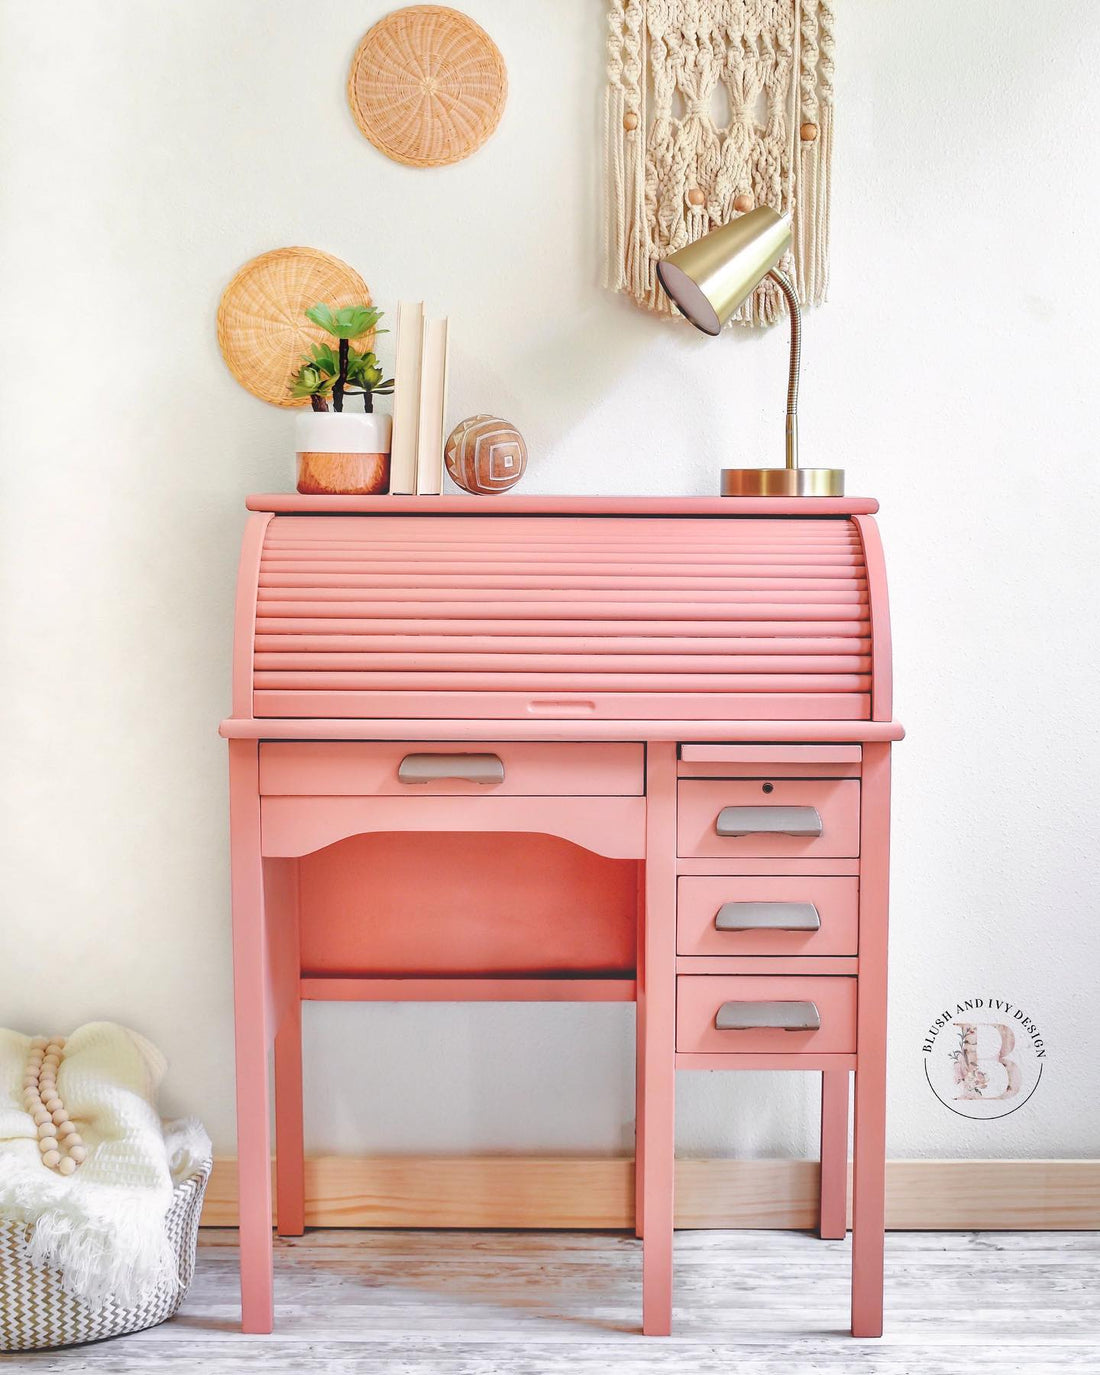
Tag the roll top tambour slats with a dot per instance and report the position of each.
(605, 616)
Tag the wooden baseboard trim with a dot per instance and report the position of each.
(595, 1193)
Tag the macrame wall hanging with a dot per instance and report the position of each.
(715, 107)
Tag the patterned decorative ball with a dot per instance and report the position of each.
(485, 455)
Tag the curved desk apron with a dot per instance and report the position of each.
(645, 744)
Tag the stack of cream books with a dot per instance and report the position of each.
(419, 400)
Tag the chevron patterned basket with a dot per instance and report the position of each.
(36, 1312)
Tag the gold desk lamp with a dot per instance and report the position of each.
(712, 278)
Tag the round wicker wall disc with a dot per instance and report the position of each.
(427, 85)
(262, 326)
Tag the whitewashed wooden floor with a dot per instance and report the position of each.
(531, 1303)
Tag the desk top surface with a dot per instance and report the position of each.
(290, 503)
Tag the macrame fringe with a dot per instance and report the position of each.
(666, 61)
(628, 264)
(815, 92)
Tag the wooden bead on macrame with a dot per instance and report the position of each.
(630, 121)
(808, 132)
(743, 203)
(695, 196)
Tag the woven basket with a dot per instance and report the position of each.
(262, 326)
(36, 1312)
(427, 85)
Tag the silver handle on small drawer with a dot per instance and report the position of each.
(768, 916)
(435, 768)
(768, 1016)
(784, 821)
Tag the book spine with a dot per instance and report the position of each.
(433, 391)
(406, 397)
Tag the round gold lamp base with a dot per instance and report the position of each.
(782, 482)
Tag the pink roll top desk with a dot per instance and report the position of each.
(577, 749)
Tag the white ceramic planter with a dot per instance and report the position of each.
(345, 454)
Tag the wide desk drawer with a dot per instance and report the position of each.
(383, 768)
(788, 818)
(741, 915)
(758, 1014)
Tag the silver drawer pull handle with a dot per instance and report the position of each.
(780, 821)
(436, 768)
(768, 916)
(768, 1016)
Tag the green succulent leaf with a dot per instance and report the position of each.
(310, 381)
(352, 322)
(325, 357)
(322, 315)
(363, 370)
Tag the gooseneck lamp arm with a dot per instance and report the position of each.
(795, 312)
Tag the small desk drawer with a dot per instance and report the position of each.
(767, 916)
(790, 818)
(757, 1007)
(393, 768)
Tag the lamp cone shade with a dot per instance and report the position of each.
(713, 277)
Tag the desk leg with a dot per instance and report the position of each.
(639, 1072)
(658, 1029)
(834, 1154)
(869, 1168)
(290, 1180)
(281, 898)
(252, 1015)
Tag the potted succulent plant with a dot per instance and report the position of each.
(342, 451)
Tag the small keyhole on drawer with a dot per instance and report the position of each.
(768, 788)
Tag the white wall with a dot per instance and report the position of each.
(147, 151)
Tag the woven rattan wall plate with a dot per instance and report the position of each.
(262, 327)
(427, 85)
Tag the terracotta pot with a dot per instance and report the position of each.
(343, 455)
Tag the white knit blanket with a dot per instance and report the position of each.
(102, 1227)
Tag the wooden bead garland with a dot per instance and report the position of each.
(59, 1142)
